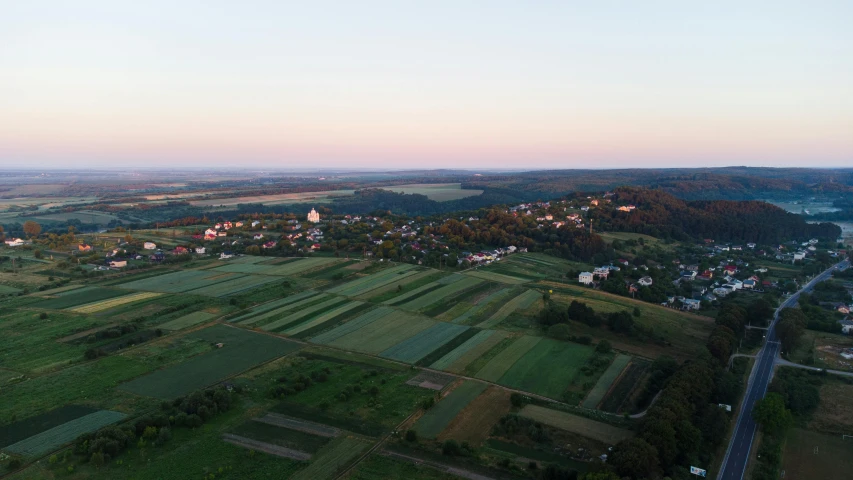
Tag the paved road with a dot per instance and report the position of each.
(737, 454)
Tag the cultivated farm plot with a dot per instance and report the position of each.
(363, 285)
(575, 424)
(547, 368)
(251, 316)
(616, 397)
(31, 426)
(473, 352)
(57, 436)
(241, 350)
(180, 281)
(333, 458)
(79, 297)
(352, 326)
(521, 302)
(496, 277)
(232, 286)
(383, 333)
(439, 294)
(437, 418)
(596, 395)
(444, 362)
(290, 267)
(440, 192)
(326, 317)
(56, 291)
(5, 290)
(114, 302)
(474, 423)
(302, 314)
(485, 303)
(268, 448)
(498, 366)
(401, 282)
(187, 320)
(417, 347)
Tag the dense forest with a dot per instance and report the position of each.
(664, 216)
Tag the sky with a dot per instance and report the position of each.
(426, 84)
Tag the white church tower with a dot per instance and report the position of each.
(313, 216)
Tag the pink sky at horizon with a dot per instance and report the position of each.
(490, 84)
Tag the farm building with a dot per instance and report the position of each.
(14, 242)
(585, 278)
(149, 245)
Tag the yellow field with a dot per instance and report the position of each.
(114, 302)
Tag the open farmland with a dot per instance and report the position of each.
(629, 380)
(28, 427)
(439, 294)
(475, 351)
(188, 320)
(437, 418)
(575, 424)
(448, 359)
(809, 454)
(59, 435)
(596, 395)
(496, 277)
(498, 366)
(332, 458)
(281, 435)
(353, 325)
(5, 290)
(303, 314)
(232, 286)
(418, 346)
(521, 302)
(474, 423)
(280, 305)
(180, 281)
(278, 199)
(80, 296)
(114, 302)
(424, 276)
(290, 267)
(320, 320)
(365, 284)
(547, 368)
(241, 350)
(440, 192)
(383, 333)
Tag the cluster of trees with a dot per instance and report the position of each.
(664, 216)
(731, 323)
(99, 447)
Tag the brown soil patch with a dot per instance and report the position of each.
(474, 423)
(265, 447)
(85, 333)
(835, 412)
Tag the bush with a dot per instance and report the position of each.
(14, 464)
(428, 403)
(603, 347)
(451, 448)
(517, 399)
(164, 436)
(43, 315)
(411, 436)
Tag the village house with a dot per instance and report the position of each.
(14, 242)
(149, 245)
(645, 282)
(690, 304)
(270, 244)
(585, 278)
(118, 263)
(84, 248)
(257, 236)
(846, 326)
(200, 250)
(179, 250)
(255, 223)
(626, 208)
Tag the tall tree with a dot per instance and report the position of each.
(792, 323)
(31, 228)
(770, 413)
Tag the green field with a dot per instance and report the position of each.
(352, 325)
(439, 416)
(291, 267)
(281, 436)
(273, 310)
(80, 296)
(496, 277)
(461, 363)
(5, 290)
(420, 345)
(382, 467)
(266, 307)
(498, 366)
(596, 395)
(59, 435)
(303, 314)
(28, 427)
(362, 285)
(615, 399)
(816, 455)
(418, 278)
(180, 281)
(332, 458)
(322, 319)
(444, 362)
(232, 286)
(439, 294)
(439, 192)
(187, 320)
(547, 368)
(575, 424)
(383, 333)
(242, 349)
(521, 302)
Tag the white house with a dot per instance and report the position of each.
(749, 283)
(149, 245)
(585, 278)
(118, 263)
(255, 223)
(257, 236)
(645, 281)
(799, 255)
(210, 231)
(224, 255)
(200, 250)
(846, 326)
(690, 304)
(14, 242)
